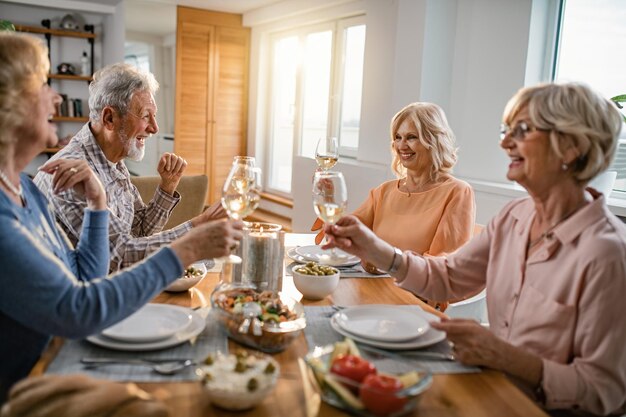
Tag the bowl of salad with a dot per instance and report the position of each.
(267, 320)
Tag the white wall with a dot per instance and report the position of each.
(469, 56)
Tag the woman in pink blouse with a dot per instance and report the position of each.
(553, 263)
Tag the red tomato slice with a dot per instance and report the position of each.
(379, 394)
(352, 367)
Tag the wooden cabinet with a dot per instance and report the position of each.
(212, 55)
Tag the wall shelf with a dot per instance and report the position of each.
(70, 77)
(55, 32)
(70, 119)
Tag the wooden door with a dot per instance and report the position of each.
(212, 51)
(230, 103)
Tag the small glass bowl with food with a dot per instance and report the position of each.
(315, 281)
(267, 320)
(192, 276)
(366, 382)
(238, 381)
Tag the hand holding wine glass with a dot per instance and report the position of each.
(330, 198)
(241, 193)
(327, 153)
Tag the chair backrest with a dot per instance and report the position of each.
(193, 191)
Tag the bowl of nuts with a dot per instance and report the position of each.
(193, 275)
(315, 281)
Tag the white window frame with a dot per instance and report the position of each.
(337, 27)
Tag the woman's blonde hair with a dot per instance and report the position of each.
(24, 67)
(434, 134)
(576, 116)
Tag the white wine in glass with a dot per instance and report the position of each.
(241, 194)
(327, 153)
(330, 199)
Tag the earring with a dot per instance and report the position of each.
(564, 166)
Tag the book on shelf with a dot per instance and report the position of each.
(69, 107)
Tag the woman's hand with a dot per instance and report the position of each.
(77, 175)
(475, 345)
(209, 240)
(472, 343)
(79, 396)
(171, 168)
(352, 236)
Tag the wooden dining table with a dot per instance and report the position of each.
(487, 393)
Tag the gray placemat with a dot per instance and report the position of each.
(355, 271)
(212, 339)
(319, 332)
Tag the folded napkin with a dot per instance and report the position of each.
(319, 332)
(212, 339)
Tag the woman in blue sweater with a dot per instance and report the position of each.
(48, 287)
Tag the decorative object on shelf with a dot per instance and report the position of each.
(69, 22)
(84, 64)
(66, 68)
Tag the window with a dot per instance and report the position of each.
(315, 91)
(590, 49)
(138, 54)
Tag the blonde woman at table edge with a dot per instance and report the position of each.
(48, 287)
(553, 263)
(425, 210)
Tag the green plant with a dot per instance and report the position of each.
(6, 25)
(618, 100)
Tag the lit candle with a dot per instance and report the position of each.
(263, 257)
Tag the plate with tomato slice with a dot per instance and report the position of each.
(428, 338)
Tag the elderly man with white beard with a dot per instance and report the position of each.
(121, 118)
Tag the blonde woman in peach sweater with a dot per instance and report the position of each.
(426, 210)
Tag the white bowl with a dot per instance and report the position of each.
(315, 287)
(184, 283)
(231, 390)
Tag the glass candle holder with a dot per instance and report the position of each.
(262, 251)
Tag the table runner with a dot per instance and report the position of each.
(319, 332)
(212, 339)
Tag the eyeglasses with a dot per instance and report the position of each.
(519, 132)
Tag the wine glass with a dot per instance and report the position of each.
(327, 153)
(241, 193)
(330, 199)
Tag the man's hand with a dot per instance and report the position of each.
(171, 168)
(214, 212)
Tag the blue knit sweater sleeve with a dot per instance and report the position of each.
(41, 290)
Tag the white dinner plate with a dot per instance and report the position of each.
(195, 328)
(291, 253)
(317, 254)
(150, 323)
(383, 323)
(429, 338)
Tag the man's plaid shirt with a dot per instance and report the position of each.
(134, 227)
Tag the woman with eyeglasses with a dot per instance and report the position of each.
(553, 263)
